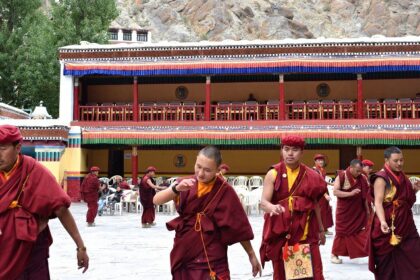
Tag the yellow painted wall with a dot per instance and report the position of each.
(54, 168)
(411, 159)
(241, 162)
(97, 158)
(400, 88)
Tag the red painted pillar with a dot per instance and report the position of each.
(207, 107)
(76, 99)
(134, 165)
(135, 100)
(360, 112)
(282, 105)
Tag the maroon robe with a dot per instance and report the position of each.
(351, 218)
(308, 188)
(324, 205)
(223, 222)
(400, 262)
(20, 243)
(89, 190)
(146, 199)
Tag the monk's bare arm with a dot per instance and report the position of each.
(256, 266)
(150, 184)
(69, 224)
(338, 193)
(321, 226)
(379, 191)
(168, 194)
(267, 195)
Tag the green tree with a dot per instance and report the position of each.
(37, 69)
(12, 15)
(83, 20)
(29, 42)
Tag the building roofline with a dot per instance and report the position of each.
(252, 43)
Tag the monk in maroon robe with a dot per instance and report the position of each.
(89, 191)
(394, 240)
(29, 197)
(324, 203)
(290, 200)
(367, 167)
(147, 191)
(210, 219)
(352, 213)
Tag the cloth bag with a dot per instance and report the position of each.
(297, 261)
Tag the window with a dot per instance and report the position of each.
(141, 36)
(127, 35)
(113, 34)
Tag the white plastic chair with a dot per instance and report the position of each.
(167, 208)
(255, 182)
(416, 206)
(253, 200)
(329, 180)
(171, 180)
(129, 198)
(230, 180)
(240, 181)
(113, 179)
(104, 180)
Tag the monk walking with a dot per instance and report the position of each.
(90, 193)
(352, 213)
(29, 197)
(324, 203)
(210, 219)
(147, 191)
(292, 216)
(395, 242)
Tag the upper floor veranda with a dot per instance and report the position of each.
(376, 79)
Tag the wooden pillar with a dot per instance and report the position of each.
(135, 100)
(282, 105)
(359, 152)
(76, 109)
(360, 112)
(134, 165)
(207, 105)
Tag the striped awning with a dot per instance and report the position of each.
(245, 66)
(265, 136)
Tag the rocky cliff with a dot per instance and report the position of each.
(216, 20)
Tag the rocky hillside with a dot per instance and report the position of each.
(215, 20)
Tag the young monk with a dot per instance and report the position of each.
(290, 200)
(29, 197)
(352, 214)
(395, 243)
(210, 219)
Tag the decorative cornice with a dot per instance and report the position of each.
(240, 49)
(48, 133)
(367, 134)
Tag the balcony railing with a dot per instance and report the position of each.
(245, 111)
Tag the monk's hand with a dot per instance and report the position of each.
(322, 238)
(327, 197)
(355, 192)
(276, 209)
(185, 185)
(384, 227)
(256, 266)
(82, 260)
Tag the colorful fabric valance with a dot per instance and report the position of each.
(245, 66)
